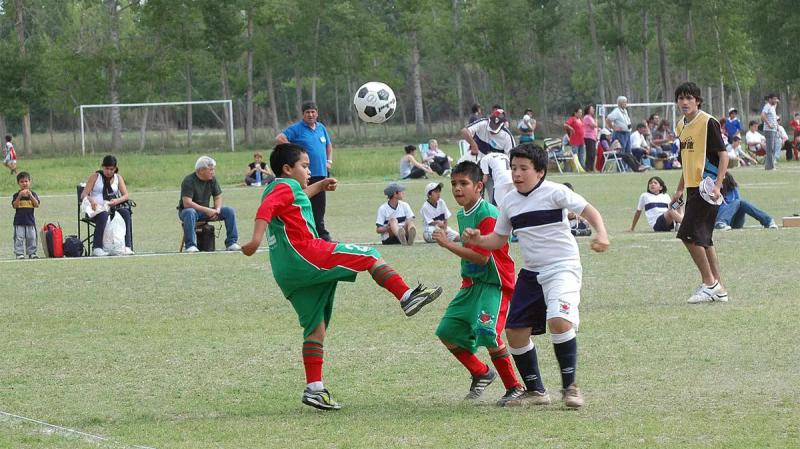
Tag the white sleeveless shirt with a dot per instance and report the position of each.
(97, 188)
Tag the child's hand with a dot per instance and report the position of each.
(329, 184)
(249, 248)
(439, 236)
(600, 243)
(470, 236)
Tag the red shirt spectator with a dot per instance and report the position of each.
(574, 127)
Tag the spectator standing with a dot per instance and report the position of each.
(574, 128)
(770, 119)
(477, 114)
(312, 135)
(526, 127)
(589, 136)
(24, 202)
(197, 191)
(10, 156)
(620, 124)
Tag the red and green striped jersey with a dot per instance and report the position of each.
(500, 267)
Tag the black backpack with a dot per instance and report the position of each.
(206, 238)
(73, 246)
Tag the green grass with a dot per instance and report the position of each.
(191, 351)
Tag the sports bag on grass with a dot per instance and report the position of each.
(53, 239)
(206, 238)
(73, 246)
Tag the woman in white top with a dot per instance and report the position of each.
(107, 186)
(655, 201)
(410, 168)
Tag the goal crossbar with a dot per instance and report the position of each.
(228, 109)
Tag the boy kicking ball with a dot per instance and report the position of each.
(477, 315)
(308, 268)
(549, 284)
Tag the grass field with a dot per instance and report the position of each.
(170, 350)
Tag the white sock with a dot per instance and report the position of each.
(406, 294)
(315, 386)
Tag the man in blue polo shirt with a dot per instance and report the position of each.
(312, 135)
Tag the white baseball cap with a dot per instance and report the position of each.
(432, 186)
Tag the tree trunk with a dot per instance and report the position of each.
(143, 129)
(646, 57)
(273, 105)
(419, 118)
(189, 123)
(113, 76)
(601, 82)
(662, 59)
(314, 74)
(50, 130)
(458, 68)
(689, 41)
(336, 103)
(27, 145)
(298, 92)
(226, 94)
(3, 126)
(248, 119)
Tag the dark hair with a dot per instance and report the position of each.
(576, 108)
(536, 154)
(23, 175)
(496, 106)
(689, 88)
(8, 138)
(660, 182)
(752, 122)
(476, 108)
(569, 184)
(728, 183)
(309, 105)
(640, 126)
(529, 110)
(410, 149)
(469, 169)
(771, 95)
(109, 161)
(284, 154)
(652, 117)
(586, 109)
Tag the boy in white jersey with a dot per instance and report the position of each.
(497, 168)
(435, 214)
(395, 220)
(548, 286)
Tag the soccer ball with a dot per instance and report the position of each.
(375, 102)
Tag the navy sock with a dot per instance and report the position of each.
(528, 367)
(567, 355)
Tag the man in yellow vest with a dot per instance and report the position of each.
(703, 155)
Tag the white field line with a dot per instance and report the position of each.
(66, 431)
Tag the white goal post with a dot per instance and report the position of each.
(228, 109)
(603, 109)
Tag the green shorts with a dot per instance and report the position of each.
(312, 288)
(475, 317)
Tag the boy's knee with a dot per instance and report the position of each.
(559, 325)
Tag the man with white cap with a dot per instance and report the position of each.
(435, 214)
(489, 134)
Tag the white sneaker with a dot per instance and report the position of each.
(706, 293)
(127, 252)
(191, 249)
(233, 247)
(99, 252)
(772, 224)
(722, 226)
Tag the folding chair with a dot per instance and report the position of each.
(463, 148)
(423, 150)
(557, 153)
(612, 157)
(86, 223)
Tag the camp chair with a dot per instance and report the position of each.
(612, 159)
(559, 155)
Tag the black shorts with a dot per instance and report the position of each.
(528, 307)
(697, 225)
(392, 240)
(661, 224)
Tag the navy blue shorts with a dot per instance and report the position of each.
(528, 306)
(662, 226)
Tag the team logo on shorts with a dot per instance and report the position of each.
(563, 308)
(485, 319)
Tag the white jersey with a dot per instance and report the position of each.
(402, 213)
(539, 220)
(431, 213)
(487, 141)
(654, 206)
(498, 167)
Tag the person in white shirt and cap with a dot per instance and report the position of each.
(435, 214)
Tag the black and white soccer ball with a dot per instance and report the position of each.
(375, 102)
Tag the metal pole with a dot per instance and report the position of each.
(83, 137)
(230, 120)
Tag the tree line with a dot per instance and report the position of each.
(440, 56)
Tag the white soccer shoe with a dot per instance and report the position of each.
(706, 293)
(99, 252)
(191, 249)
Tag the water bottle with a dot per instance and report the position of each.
(258, 176)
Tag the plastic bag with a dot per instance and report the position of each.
(114, 236)
(90, 212)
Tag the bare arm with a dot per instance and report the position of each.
(490, 242)
(327, 184)
(600, 242)
(88, 187)
(281, 138)
(635, 219)
(249, 248)
(465, 253)
(468, 137)
(123, 193)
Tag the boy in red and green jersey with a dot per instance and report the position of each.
(308, 268)
(477, 315)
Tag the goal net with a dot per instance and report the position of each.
(639, 113)
(158, 127)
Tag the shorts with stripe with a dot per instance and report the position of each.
(538, 297)
(475, 317)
